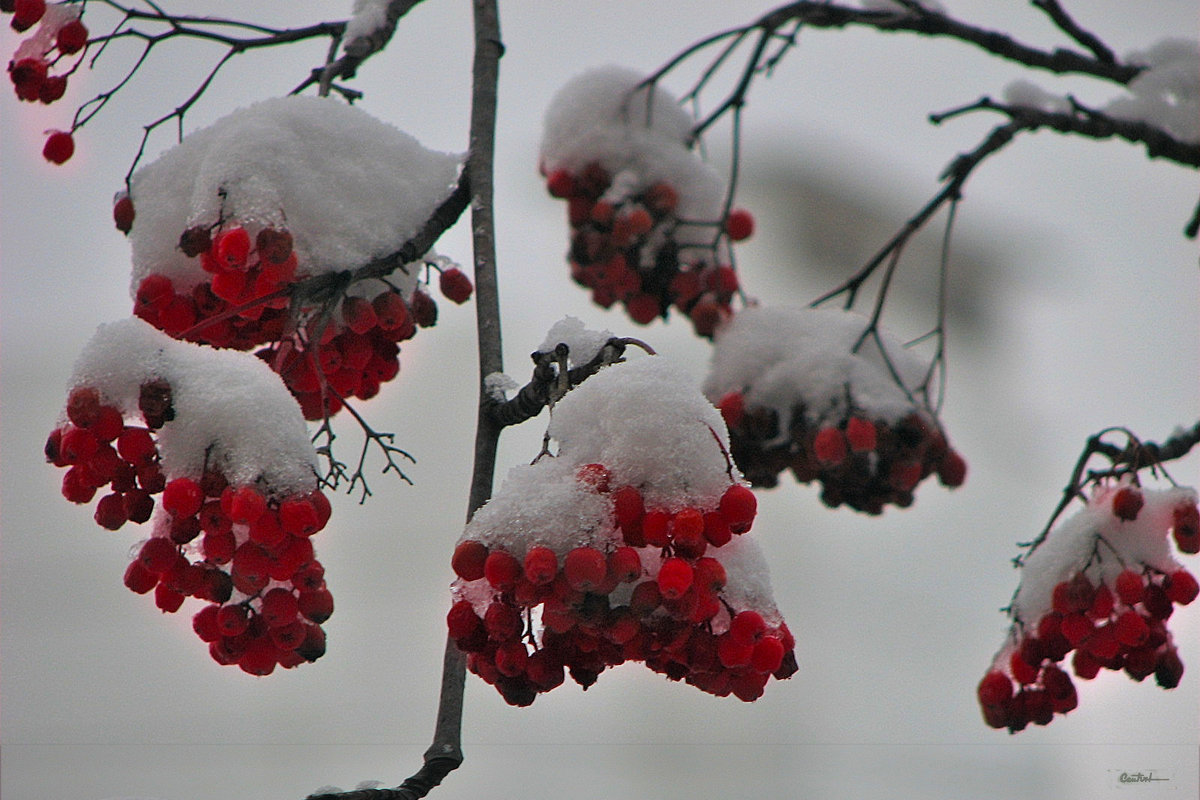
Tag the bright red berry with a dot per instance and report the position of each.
(461, 620)
(72, 37)
(624, 564)
(501, 569)
(739, 507)
(1130, 587)
(233, 248)
(455, 285)
(629, 508)
(298, 517)
(747, 626)
(585, 568)
(182, 497)
(59, 147)
(739, 224)
(158, 554)
(279, 607)
(541, 565)
(359, 314)
(733, 408)
(675, 578)
(468, 560)
(243, 505)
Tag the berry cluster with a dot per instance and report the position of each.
(246, 553)
(863, 463)
(644, 591)
(243, 301)
(1122, 627)
(60, 34)
(1111, 613)
(625, 249)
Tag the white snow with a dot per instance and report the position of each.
(648, 423)
(231, 410)
(639, 135)
(1167, 94)
(779, 357)
(1026, 93)
(368, 17)
(348, 187)
(582, 344)
(1070, 546)
(44, 36)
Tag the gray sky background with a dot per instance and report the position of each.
(1082, 315)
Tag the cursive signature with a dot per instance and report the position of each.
(1139, 777)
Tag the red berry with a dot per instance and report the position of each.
(279, 607)
(158, 554)
(687, 525)
(455, 285)
(624, 564)
(359, 314)
(1130, 587)
(628, 508)
(424, 309)
(767, 655)
(952, 470)
(83, 406)
(72, 37)
(733, 408)
(995, 689)
(501, 569)
(1131, 629)
(233, 248)
(1127, 502)
(675, 578)
(739, 507)
(643, 308)
(110, 512)
(733, 653)
(661, 198)
(139, 579)
(585, 568)
(739, 224)
(560, 183)
(390, 311)
(167, 599)
(654, 528)
(746, 627)
(59, 147)
(28, 75)
(27, 13)
(243, 505)
(861, 435)
(829, 446)
(53, 88)
(1181, 587)
(315, 605)
(1186, 528)
(503, 621)
(541, 565)
(468, 560)
(716, 529)
(709, 575)
(273, 245)
(298, 517)
(706, 315)
(123, 213)
(204, 623)
(461, 620)
(182, 497)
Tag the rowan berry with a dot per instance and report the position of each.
(59, 147)
(455, 285)
(585, 568)
(71, 37)
(541, 565)
(739, 224)
(468, 560)
(675, 577)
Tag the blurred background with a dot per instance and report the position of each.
(1074, 303)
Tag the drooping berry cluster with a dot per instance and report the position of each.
(862, 463)
(61, 33)
(247, 554)
(1110, 613)
(808, 390)
(625, 249)
(647, 593)
(244, 301)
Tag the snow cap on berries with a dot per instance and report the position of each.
(640, 135)
(649, 424)
(348, 187)
(1070, 545)
(231, 411)
(781, 356)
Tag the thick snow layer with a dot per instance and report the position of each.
(1167, 94)
(639, 135)
(781, 357)
(648, 423)
(231, 410)
(1076, 542)
(348, 187)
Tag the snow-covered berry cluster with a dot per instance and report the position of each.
(628, 545)
(60, 33)
(167, 430)
(268, 205)
(795, 394)
(648, 219)
(1101, 586)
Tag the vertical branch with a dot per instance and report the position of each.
(445, 753)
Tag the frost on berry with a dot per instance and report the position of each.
(1099, 588)
(802, 390)
(600, 553)
(210, 449)
(645, 210)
